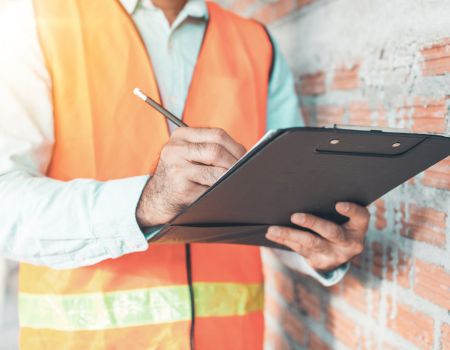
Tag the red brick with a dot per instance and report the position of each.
(414, 326)
(335, 290)
(355, 293)
(359, 113)
(391, 267)
(294, 328)
(436, 59)
(316, 343)
(438, 176)
(437, 50)
(346, 78)
(273, 11)
(381, 117)
(329, 115)
(309, 302)
(377, 259)
(290, 325)
(312, 84)
(343, 327)
(445, 336)
(429, 116)
(425, 224)
(288, 322)
(402, 267)
(432, 282)
(282, 283)
(380, 215)
(399, 215)
(424, 115)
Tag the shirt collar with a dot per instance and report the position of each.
(129, 5)
(193, 8)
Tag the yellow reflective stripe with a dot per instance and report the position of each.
(138, 307)
(227, 299)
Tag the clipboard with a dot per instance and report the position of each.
(303, 169)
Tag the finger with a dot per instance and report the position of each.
(210, 135)
(359, 216)
(209, 154)
(304, 243)
(327, 229)
(202, 174)
(198, 153)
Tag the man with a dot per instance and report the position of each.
(76, 148)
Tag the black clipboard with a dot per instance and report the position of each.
(303, 169)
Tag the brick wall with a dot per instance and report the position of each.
(368, 62)
(384, 63)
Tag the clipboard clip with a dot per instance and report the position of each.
(381, 129)
(370, 128)
(364, 141)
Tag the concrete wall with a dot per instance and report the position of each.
(384, 63)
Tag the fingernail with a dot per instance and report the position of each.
(344, 206)
(300, 218)
(273, 232)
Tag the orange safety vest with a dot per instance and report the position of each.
(144, 300)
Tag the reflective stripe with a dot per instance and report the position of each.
(94, 311)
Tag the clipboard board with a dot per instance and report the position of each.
(302, 169)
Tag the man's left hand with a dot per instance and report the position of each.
(333, 245)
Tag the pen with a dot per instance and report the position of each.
(159, 108)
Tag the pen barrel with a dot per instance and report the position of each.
(165, 113)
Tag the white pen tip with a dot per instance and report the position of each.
(138, 92)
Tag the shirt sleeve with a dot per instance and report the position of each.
(45, 221)
(298, 263)
(282, 106)
(283, 112)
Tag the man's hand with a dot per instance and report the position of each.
(189, 164)
(333, 245)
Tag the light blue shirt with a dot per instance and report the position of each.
(68, 224)
(174, 50)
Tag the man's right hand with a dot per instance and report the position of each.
(192, 160)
